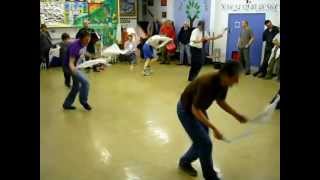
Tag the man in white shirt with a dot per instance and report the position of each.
(198, 37)
(153, 43)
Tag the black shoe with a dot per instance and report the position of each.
(256, 73)
(262, 76)
(69, 107)
(248, 73)
(86, 106)
(187, 168)
(68, 85)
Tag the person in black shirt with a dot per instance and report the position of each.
(45, 44)
(184, 39)
(86, 24)
(268, 36)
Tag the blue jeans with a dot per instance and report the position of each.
(79, 83)
(132, 57)
(201, 144)
(185, 48)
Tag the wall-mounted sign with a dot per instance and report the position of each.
(259, 6)
(237, 24)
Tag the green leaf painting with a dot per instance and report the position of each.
(192, 10)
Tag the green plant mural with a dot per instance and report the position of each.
(192, 10)
(104, 20)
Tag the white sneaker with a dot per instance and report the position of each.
(146, 72)
(218, 171)
(150, 70)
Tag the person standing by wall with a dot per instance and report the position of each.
(86, 27)
(75, 53)
(45, 44)
(244, 43)
(63, 52)
(268, 36)
(168, 30)
(153, 27)
(184, 40)
(198, 37)
(191, 110)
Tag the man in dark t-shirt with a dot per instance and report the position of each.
(191, 109)
(268, 35)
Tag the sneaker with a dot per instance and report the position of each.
(150, 70)
(262, 75)
(146, 72)
(86, 106)
(69, 107)
(187, 168)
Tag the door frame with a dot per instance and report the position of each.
(227, 44)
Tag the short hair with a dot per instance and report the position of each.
(266, 22)
(246, 22)
(65, 36)
(201, 23)
(43, 26)
(231, 68)
(84, 33)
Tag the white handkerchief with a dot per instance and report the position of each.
(92, 63)
(113, 50)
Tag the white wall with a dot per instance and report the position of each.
(220, 17)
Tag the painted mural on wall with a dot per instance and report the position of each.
(104, 20)
(192, 10)
(51, 12)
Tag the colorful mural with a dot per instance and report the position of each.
(193, 10)
(103, 18)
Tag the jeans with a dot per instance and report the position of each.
(67, 75)
(80, 83)
(245, 58)
(201, 144)
(196, 62)
(185, 48)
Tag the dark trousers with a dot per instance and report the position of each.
(196, 62)
(67, 75)
(245, 58)
(201, 144)
(263, 68)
